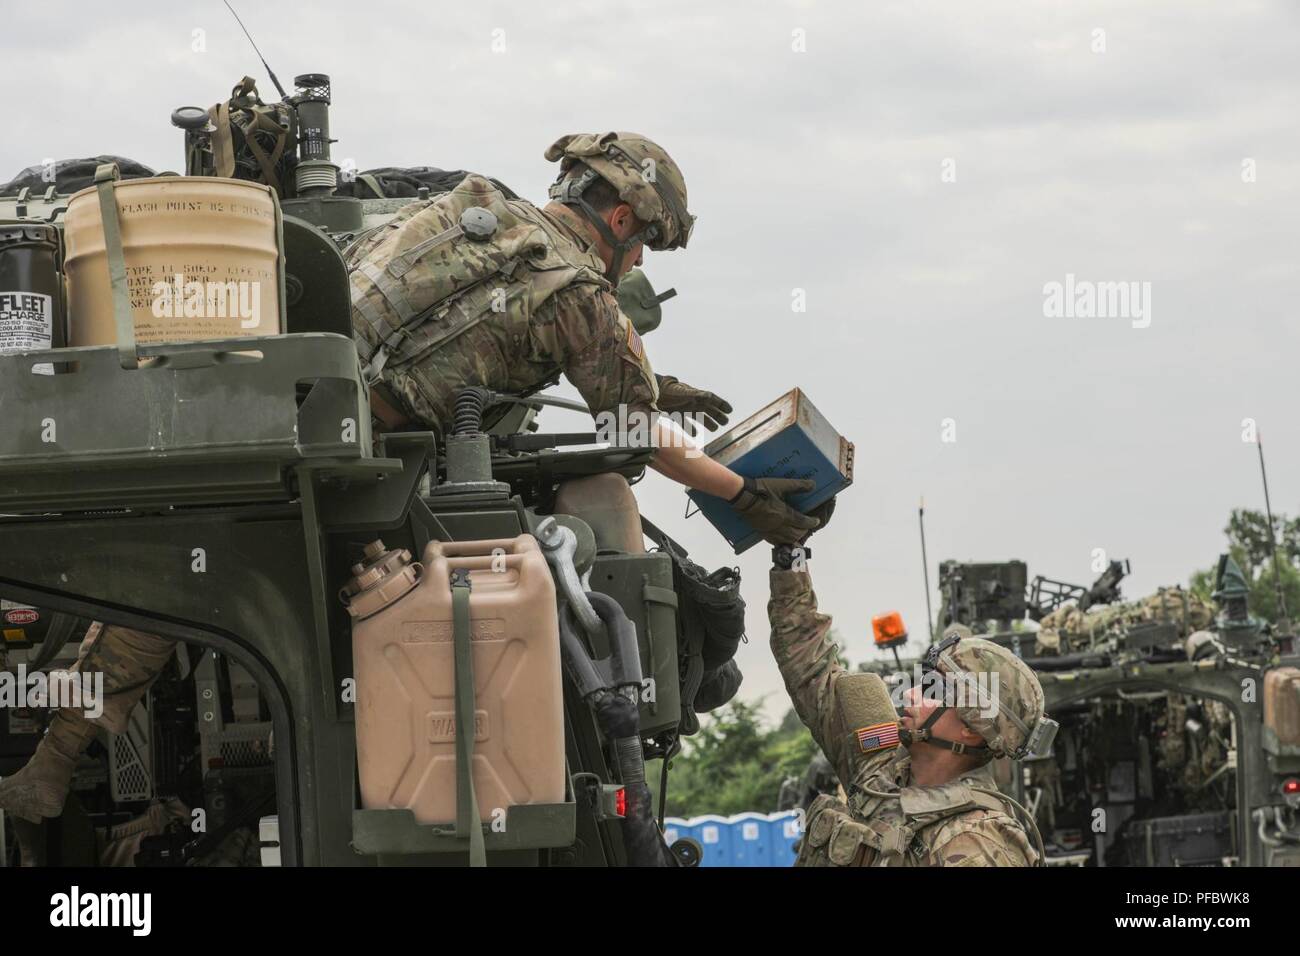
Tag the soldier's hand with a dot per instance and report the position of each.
(761, 503)
(823, 514)
(676, 396)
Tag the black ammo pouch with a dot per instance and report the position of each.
(710, 627)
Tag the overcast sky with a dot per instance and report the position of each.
(920, 170)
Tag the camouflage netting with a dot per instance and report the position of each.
(393, 182)
(1067, 629)
(71, 175)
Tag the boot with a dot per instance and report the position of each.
(39, 789)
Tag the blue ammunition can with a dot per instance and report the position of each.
(787, 439)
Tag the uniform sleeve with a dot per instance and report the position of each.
(850, 715)
(982, 839)
(600, 352)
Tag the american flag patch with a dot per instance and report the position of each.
(634, 342)
(878, 737)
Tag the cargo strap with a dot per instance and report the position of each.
(654, 594)
(105, 176)
(372, 183)
(467, 818)
(244, 99)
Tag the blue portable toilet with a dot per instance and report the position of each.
(784, 831)
(751, 843)
(675, 828)
(714, 835)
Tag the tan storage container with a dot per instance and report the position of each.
(1282, 704)
(202, 261)
(403, 655)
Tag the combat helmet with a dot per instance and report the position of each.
(641, 172)
(1006, 711)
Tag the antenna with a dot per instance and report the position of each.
(1272, 539)
(270, 72)
(925, 570)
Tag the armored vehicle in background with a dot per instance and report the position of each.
(1179, 742)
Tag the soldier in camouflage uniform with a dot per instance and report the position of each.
(470, 288)
(934, 801)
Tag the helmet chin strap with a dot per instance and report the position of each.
(569, 192)
(923, 735)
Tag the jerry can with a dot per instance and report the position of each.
(1282, 704)
(404, 653)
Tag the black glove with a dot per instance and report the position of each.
(760, 502)
(676, 396)
(823, 514)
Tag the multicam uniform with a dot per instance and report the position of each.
(130, 661)
(553, 311)
(887, 821)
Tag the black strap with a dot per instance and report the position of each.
(922, 735)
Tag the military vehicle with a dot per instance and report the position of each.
(221, 492)
(1179, 742)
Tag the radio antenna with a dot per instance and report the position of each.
(270, 72)
(1272, 539)
(925, 570)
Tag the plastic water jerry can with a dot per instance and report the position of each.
(404, 658)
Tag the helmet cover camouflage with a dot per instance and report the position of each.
(1014, 696)
(643, 174)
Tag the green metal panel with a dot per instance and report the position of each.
(625, 578)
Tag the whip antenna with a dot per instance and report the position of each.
(270, 72)
(1272, 539)
(925, 570)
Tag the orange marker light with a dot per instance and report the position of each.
(889, 629)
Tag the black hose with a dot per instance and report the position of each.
(62, 628)
(620, 720)
(618, 716)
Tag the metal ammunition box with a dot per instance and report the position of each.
(789, 438)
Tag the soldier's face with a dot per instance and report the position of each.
(623, 223)
(917, 709)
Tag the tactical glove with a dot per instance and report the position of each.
(677, 396)
(760, 503)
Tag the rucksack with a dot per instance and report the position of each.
(444, 264)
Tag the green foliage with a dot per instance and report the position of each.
(733, 764)
(1250, 547)
(1248, 531)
